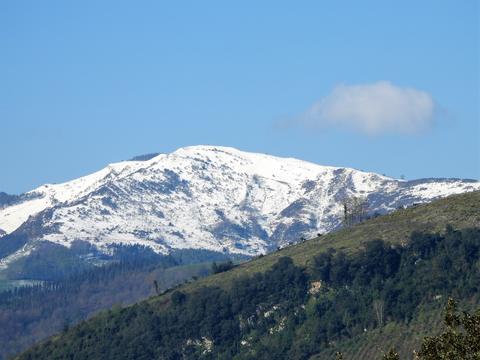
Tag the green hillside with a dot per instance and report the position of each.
(358, 290)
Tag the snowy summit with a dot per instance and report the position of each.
(206, 197)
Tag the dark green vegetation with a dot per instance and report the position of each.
(32, 313)
(460, 340)
(52, 262)
(222, 267)
(366, 288)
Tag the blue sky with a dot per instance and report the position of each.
(86, 83)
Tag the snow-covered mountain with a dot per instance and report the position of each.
(204, 197)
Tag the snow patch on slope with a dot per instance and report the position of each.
(213, 198)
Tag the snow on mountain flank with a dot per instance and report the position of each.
(209, 197)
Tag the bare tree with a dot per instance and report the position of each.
(354, 210)
(378, 307)
(157, 289)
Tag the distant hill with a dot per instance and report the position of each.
(144, 157)
(7, 199)
(358, 290)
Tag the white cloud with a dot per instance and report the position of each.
(373, 109)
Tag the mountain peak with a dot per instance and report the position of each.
(207, 197)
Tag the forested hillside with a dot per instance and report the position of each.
(338, 292)
(30, 314)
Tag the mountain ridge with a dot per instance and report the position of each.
(205, 197)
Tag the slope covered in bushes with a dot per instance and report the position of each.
(287, 311)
